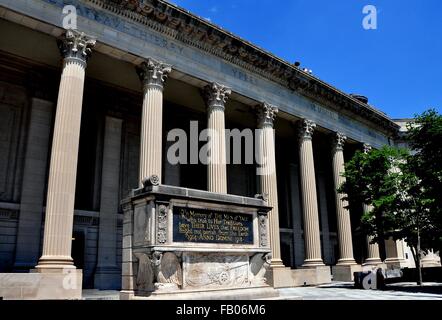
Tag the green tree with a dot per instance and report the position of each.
(425, 139)
(383, 180)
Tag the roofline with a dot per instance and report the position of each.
(198, 31)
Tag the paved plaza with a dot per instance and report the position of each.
(333, 291)
(346, 291)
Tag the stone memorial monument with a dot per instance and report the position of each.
(189, 244)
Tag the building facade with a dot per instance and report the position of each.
(85, 116)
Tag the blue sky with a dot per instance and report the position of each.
(398, 66)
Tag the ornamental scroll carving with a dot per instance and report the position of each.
(162, 224)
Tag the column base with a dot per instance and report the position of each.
(107, 278)
(346, 262)
(279, 277)
(313, 263)
(344, 272)
(56, 262)
(372, 262)
(276, 263)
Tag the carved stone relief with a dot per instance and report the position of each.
(215, 270)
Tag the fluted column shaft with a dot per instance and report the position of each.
(312, 237)
(266, 172)
(216, 96)
(373, 255)
(153, 74)
(342, 214)
(57, 242)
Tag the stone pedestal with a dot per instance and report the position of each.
(395, 258)
(345, 272)
(181, 243)
(311, 276)
(47, 284)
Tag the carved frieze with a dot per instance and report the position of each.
(185, 27)
(215, 270)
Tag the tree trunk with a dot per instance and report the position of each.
(418, 260)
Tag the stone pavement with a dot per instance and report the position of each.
(333, 291)
(346, 291)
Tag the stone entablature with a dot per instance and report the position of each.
(177, 240)
(192, 30)
(132, 39)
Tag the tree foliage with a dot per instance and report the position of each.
(402, 189)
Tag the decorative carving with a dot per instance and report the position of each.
(263, 230)
(266, 114)
(145, 275)
(339, 141)
(216, 270)
(153, 73)
(75, 45)
(173, 22)
(162, 224)
(366, 148)
(153, 180)
(216, 96)
(168, 271)
(258, 267)
(306, 129)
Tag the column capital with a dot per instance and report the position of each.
(266, 113)
(153, 73)
(366, 148)
(216, 95)
(75, 45)
(306, 129)
(338, 141)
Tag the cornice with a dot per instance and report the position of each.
(192, 30)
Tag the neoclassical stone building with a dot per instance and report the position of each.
(84, 117)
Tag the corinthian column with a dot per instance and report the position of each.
(342, 214)
(153, 75)
(266, 172)
(312, 237)
(216, 96)
(373, 255)
(75, 48)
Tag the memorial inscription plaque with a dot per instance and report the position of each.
(210, 226)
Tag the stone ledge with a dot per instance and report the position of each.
(263, 293)
(40, 286)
